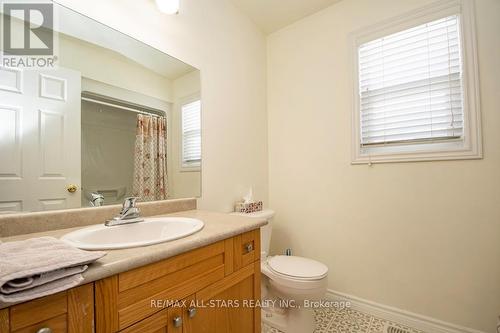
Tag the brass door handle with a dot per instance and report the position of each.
(71, 188)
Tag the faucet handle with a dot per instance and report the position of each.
(129, 203)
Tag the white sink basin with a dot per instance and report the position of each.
(150, 231)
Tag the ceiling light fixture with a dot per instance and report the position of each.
(168, 6)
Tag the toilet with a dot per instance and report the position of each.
(288, 283)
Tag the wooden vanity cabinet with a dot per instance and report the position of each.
(212, 289)
(194, 291)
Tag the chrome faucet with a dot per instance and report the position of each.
(96, 199)
(128, 214)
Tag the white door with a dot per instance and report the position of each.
(39, 139)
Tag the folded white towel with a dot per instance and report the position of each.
(40, 266)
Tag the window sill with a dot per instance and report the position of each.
(423, 156)
(190, 169)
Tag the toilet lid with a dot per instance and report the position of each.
(298, 267)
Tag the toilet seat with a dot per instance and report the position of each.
(300, 280)
(297, 268)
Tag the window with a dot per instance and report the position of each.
(411, 94)
(191, 134)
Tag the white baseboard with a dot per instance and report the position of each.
(420, 322)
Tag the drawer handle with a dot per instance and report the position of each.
(44, 330)
(191, 312)
(177, 321)
(248, 247)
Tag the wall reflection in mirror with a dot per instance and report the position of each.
(115, 118)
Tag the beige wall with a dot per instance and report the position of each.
(423, 237)
(230, 52)
(185, 183)
(108, 140)
(103, 65)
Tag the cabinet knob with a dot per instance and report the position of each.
(248, 247)
(191, 312)
(44, 330)
(177, 321)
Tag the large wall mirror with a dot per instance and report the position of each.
(115, 118)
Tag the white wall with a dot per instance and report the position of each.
(230, 52)
(423, 237)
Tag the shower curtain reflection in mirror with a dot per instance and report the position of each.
(150, 159)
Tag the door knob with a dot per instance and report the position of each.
(72, 188)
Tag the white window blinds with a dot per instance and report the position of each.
(410, 85)
(191, 133)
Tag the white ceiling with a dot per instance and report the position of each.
(272, 15)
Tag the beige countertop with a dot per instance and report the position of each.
(217, 226)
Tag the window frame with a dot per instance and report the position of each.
(193, 166)
(470, 147)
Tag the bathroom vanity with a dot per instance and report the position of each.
(81, 146)
(206, 282)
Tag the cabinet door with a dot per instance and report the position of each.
(70, 311)
(229, 305)
(180, 313)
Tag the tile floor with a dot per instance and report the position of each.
(347, 320)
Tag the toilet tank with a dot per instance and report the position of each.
(265, 231)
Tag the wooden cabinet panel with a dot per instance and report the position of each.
(71, 311)
(4, 320)
(246, 248)
(157, 323)
(81, 309)
(149, 289)
(143, 308)
(57, 324)
(154, 271)
(176, 319)
(106, 305)
(29, 313)
(231, 306)
(229, 255)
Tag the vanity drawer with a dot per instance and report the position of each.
(68, 311)
(127, 298)
(157, 323)
(246, 248)
(30, 313)
(174, 319)
(57, 324)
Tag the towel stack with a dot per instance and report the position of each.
(40, 266)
